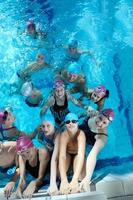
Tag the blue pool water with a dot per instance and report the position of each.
(105, 27)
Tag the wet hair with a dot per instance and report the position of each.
(107, 94)
(5, 115)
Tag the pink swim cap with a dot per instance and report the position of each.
(58, 83)
(100, 91)
(109, 113)
(23, 143)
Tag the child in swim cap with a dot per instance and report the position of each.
(72, 143)
(9, 131)
(31, 160)
(31, 29)
(34, 67)
(98, 95)
(47, 137)
(23, 144)
(45, 133)
(96, 132)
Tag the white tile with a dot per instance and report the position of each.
(127, 181)
(129, 198)
(118, 198)
(111, 186)
(82, 196)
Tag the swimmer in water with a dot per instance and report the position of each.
(58, 103)
(33, 95)
(98, 95)
(33, 32)
(33, 160)
(34, 67)
(8, 131)
(95, 129)
(74, 75)
(73, 53)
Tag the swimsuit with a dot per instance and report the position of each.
(7, 138)
(90, 135)
(73, 143)
(47, 142)
(72, 57)
(59, 112)
(31, 104)
(33, 170)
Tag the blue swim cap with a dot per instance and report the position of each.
(49, 118)
(42, 52)
(73, 44)
(74, 68)
(71, 116)
(36, 143)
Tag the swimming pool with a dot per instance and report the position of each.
(102, 26)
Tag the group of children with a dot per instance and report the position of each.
(58, 145)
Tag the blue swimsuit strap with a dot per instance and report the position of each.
(49, 141)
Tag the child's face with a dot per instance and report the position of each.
(40, 59)
(60, 92)
(47, 128)
(73, 77)
(27, 154)
(95, 97)
(72, 125)
(72, 50)
(31, 29)
(101, 122)
(10, 119)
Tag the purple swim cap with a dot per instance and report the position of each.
(109, 113)
(100, 91)
(23, 143)
(58, 83)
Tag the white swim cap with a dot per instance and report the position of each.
(27, 89)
